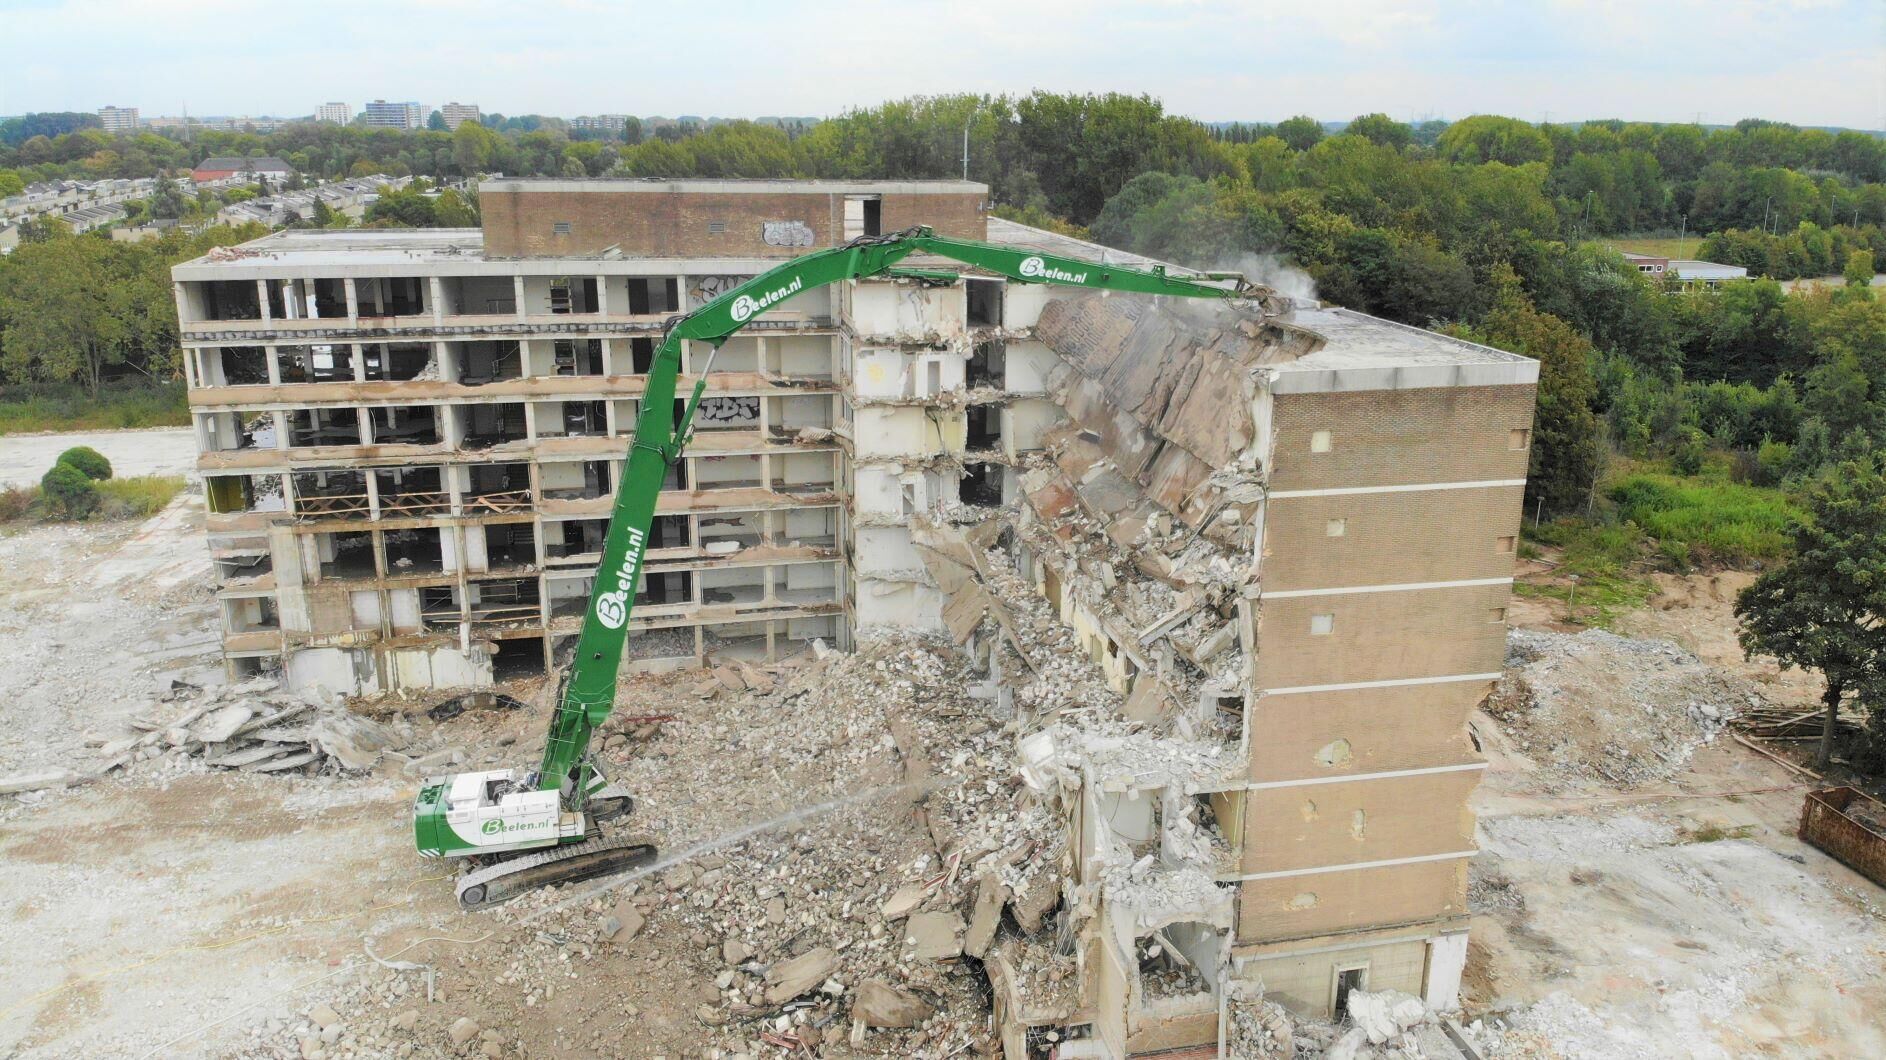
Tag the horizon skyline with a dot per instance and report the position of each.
(1806, 62)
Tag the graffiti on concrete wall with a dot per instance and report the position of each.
(728, 411)
(786, 234)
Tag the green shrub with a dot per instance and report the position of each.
(88, 460)
(1691, 447)
(16, 501)
(1772, 462)
(68, 491)
(1727, 520)
(140, 495)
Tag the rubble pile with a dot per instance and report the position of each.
(1595, 706)
(1257, 1028)
(256, 728)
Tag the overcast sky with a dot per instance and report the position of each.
(1813, 62)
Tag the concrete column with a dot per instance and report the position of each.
(353, 302)
(281, 429)
(438, 300)
(602, 296)
(288, 490)
(448, 370)
(360, 361)
(517, 286)
(373, 511)
(183, 303)
(274, 367)
(364, 424)
(261, 294)
(190, 369)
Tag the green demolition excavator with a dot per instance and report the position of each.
(531, 828)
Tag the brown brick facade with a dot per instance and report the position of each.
(527, 219)
(1328, 903)
(1400, 437)
(1362, 730)
(1352, 822)
(1381, 636)
(1325, 542)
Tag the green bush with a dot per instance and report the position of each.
(88, 460)
(1727, 520)
(68, 491)
(1691, 448)
(1772, 462)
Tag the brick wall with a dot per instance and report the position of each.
(1306, 983)
(1333, 902)
(1382, 636)
(522, 221)
(1400, 437)
(1363, 730)
(1350, 822)
(1390, 538)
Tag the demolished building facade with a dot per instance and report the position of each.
(1286, 543)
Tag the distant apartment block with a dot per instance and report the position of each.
(612, 124)
(338, 113)
(457, 114)
(118, 119)
(383, 115)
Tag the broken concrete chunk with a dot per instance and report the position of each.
(220, 724)
(462, 1030)
(775, 910)
(733, 951)
(47, 778)
(904, 901)
(789, 979)
(623, 923)
(879, 1004)
(991, 895)
(933, 936)
(323, 1016)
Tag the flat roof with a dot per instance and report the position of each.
(744, 186)
(1362, 352)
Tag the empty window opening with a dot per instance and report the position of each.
(327, 299)
(1322, 625)
(345, 555)
(727, 472)
(578, 356)
(654, 294)
(251, 614)
(983, 300)
(933, 378)
(670, 531)
(863, 216)
(573, 296)
(489, 425)
(517, 659)
(723, 535)
(311, 427)
(1496, 615)
(1506, 544)
(314, 364)
(398, 361)
(981, 485)
(231, 300)
(674, 587)
(576, 480)
(391, 296)
(236, 569)
(480, 295)
(243, 366)
(331, 494)
(404, 424)
(1321, 441)
(1519, 438)
(438, 607)
(641, 355)
(984, 427)
(418, 551)
(988, 362)
(510, 545)
(498, 488)
(1336, 528)
(411, 492)
(573, 538)
(480, 363)
(510, 601)
(1347, 981)
(1164, 971)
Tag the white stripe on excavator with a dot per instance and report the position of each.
(1392, 683)
(1319, 869)
(1388, 775)
(1345, 491)
(1400, 587)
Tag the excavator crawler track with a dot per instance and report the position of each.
(588, 860)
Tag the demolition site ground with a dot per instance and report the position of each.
(1639, 891)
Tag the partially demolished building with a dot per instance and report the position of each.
(1288, 543)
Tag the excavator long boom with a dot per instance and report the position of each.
(589, 694)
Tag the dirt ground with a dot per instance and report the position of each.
(154, 451)
(173, 911)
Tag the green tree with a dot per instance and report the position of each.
(1490, 138)
(1382, 129)
(473, 148)
(10, 184)
(1825, 609)
(68, 323)
(1301, 132)
(1859, 271)
(436, 122)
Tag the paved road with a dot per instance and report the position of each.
(157, 451)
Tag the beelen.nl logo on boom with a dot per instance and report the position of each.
(745, 306)
(1036, 269)
(612, 607)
